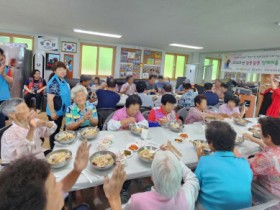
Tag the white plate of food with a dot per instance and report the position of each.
(179, 140)
(126, 153)
(133, 147)
(183, 135)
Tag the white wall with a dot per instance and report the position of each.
(193, 57)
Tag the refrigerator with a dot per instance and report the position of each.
(20, 59)
(191, 72)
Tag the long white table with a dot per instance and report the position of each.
(135, 167)
(124, 97)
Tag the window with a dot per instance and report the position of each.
(20, 39)
(97, 60)
(250, 77)
(216, 67)
(174, 65)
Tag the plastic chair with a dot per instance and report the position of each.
(103, 114)
(263, 206)
(107, 120)
(146, 114)
(144, 108)
(183, 113)
(213, 109)
(265, 198)
(1, 134)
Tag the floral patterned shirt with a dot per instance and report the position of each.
(74, 114)
(266, 168)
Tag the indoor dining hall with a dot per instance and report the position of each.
(140, 105)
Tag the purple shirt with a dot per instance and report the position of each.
(131, 88)
(195, 115)
(121, 114)
(224, 109)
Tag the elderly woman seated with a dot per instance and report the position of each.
(265, 164)
(225, 179)
(165, 113)
(81, 113)
(28, 183)
(200, 112)
(128, 115)
(231, 107)
(23, 137)
(167, 193)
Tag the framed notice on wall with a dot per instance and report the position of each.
(68, 60)
(47, 43)
(152, 63)
(130, 62)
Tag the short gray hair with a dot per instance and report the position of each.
(167, 173)
(10, 105)
(76, 89)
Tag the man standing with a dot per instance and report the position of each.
(6, 78)
(86, 81)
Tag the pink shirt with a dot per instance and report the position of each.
(153, 200)
(121, 114)
(184, 199)
(131, 88)
(224, 109)
(195, 115)
(15, 145)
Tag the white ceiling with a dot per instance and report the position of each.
(217, 25)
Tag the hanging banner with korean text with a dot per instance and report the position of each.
(260, 62)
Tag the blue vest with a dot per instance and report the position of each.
(4, 87)
(64, 94)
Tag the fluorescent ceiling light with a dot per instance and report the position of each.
(186, 46)
(97, 33)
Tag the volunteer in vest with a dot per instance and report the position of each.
(34, 87)
(6, 79)
(168, 192)
(58, 94)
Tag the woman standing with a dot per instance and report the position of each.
(34, 87)
(58, 91)
(273, 110)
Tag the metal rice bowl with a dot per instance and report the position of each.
(62, 164)
(102, 153)
(91, 137)
(151, 148)
(56, 137)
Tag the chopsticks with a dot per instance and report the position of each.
(174, 149)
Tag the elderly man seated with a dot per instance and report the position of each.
(23, 137)
(28, 183)
(81, 113)
(167, 193)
